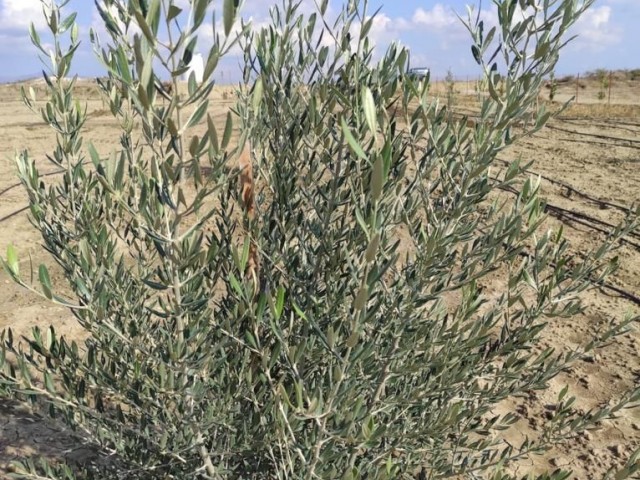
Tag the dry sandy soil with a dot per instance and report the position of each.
(594, 149)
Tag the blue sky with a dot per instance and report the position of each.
(609, 36)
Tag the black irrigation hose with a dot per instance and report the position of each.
(558, 213)
(581, 218)
(601, 283)
(623, 293)
(610, 122)
(571, 189)
(607, 124)
(13, 214)
(46, 174)
(602, 144)
(595, 135)
(16, 185)
(585, 217)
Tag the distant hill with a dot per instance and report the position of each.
(19, 78)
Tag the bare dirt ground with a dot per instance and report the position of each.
(594, 150)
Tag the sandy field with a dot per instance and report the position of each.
(590, 163)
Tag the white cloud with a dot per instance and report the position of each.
(17, 15)
(383, 31)
(596, 30)
(446, 25)
(206, 31)
(385, 28)
(597, 18)
(184, 4)
(260, 8)
(437, 18)
(626, 3)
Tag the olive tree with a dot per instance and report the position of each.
(362, 345)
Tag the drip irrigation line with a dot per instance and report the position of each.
(602, 144)
(16, 185)
(623, 293)
(593, 135)
(576, 217)
(572, 189)
(587, 218)
(46, 174)
(560, 213)
(600, 283)
(13, 214)
(612, 125)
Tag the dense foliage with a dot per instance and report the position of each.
(362, 345)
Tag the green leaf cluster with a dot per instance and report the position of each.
(368, 349)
